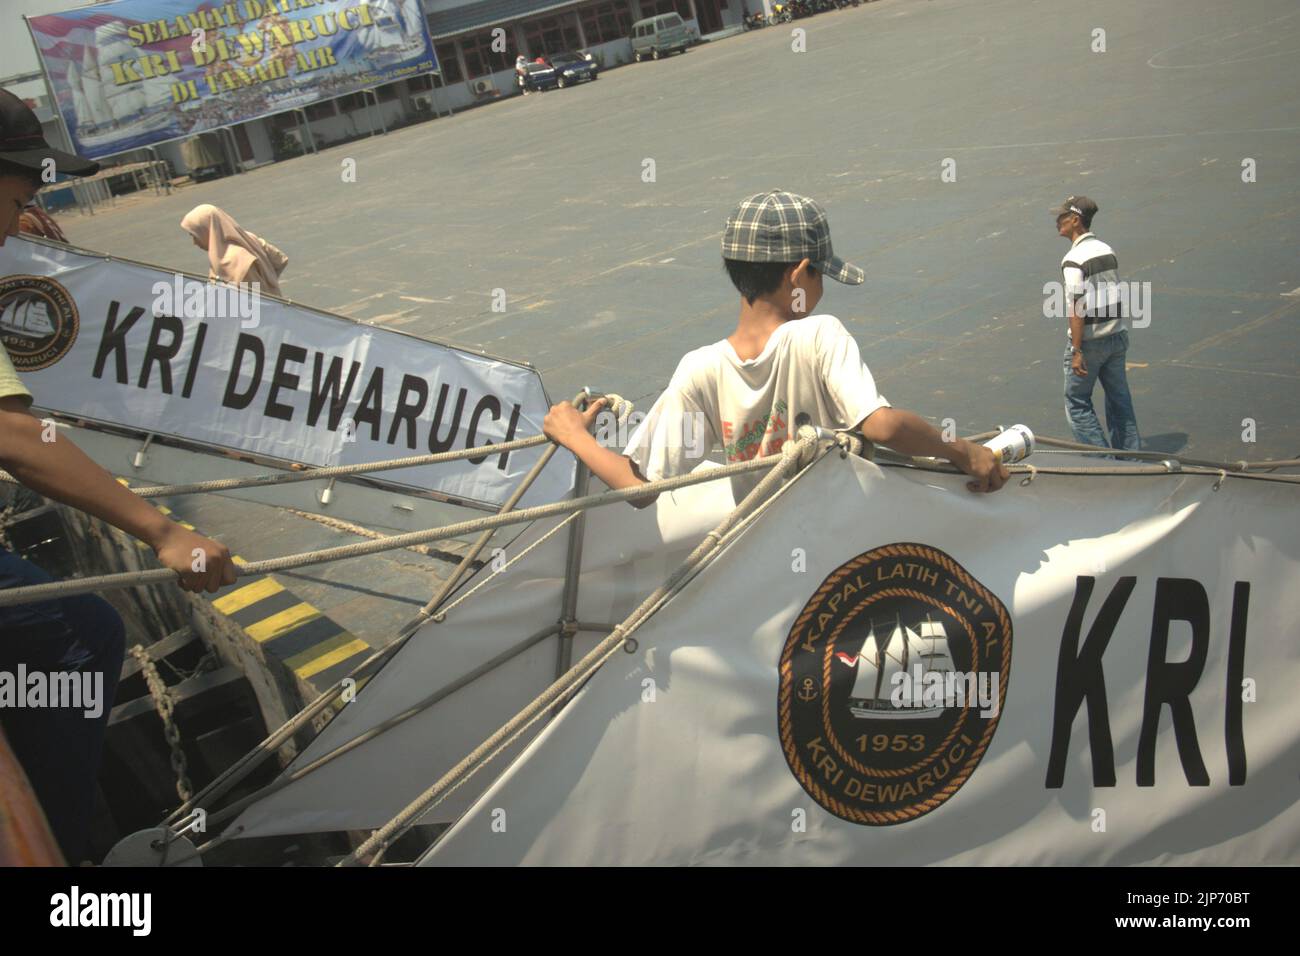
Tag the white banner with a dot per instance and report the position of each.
(140, 347)
(1128, 646)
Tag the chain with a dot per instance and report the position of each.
(208, 662)
(5, 515)
(162, 699)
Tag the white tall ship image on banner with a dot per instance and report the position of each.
(106, 112)
(905, 652)
(396, 33)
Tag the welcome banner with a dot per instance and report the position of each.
(131, 73)
(136, 346)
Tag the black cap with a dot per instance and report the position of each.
(22, 142)
(1084, 207)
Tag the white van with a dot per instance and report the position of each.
(658, 36)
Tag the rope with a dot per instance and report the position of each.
(338, 524)
(1167, 467)
(1065, 444)
(565, 695)
(333, 471)
(104, 582)
(790, 459)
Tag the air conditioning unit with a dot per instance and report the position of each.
(483, 87)
(422, 104)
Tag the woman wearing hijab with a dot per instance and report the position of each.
(234, 254)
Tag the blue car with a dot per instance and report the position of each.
(573, 68)
(538, 76)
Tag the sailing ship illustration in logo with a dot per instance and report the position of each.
(914, 653)
(38, 320)
(29, 317)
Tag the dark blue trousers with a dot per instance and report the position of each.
(59, 747)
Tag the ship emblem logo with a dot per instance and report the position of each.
(38, 321)
(892, 682)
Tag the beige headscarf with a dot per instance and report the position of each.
(234, 253)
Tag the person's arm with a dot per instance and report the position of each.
(1077, 364)
(852, 389)
(1076, 295)
(60, 470)
(567, 426)
(910, 434)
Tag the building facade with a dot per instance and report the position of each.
(476, 42)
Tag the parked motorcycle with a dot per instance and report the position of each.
(754, 21)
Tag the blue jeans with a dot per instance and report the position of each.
(59, 747)
(1105, 360)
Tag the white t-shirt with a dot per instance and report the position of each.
(1091, 273)
(749, 407)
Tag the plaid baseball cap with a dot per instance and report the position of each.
(1082, 206)
(778, 226)
(22, 141)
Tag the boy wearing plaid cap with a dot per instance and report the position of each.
(781, 368)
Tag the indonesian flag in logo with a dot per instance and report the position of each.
(849, 660)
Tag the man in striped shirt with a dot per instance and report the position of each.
(1098, 331)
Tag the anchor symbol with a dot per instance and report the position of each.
(808, 691)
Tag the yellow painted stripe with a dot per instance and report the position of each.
(164, 509)
(278, 624)
(331, 652)
(240, 598)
